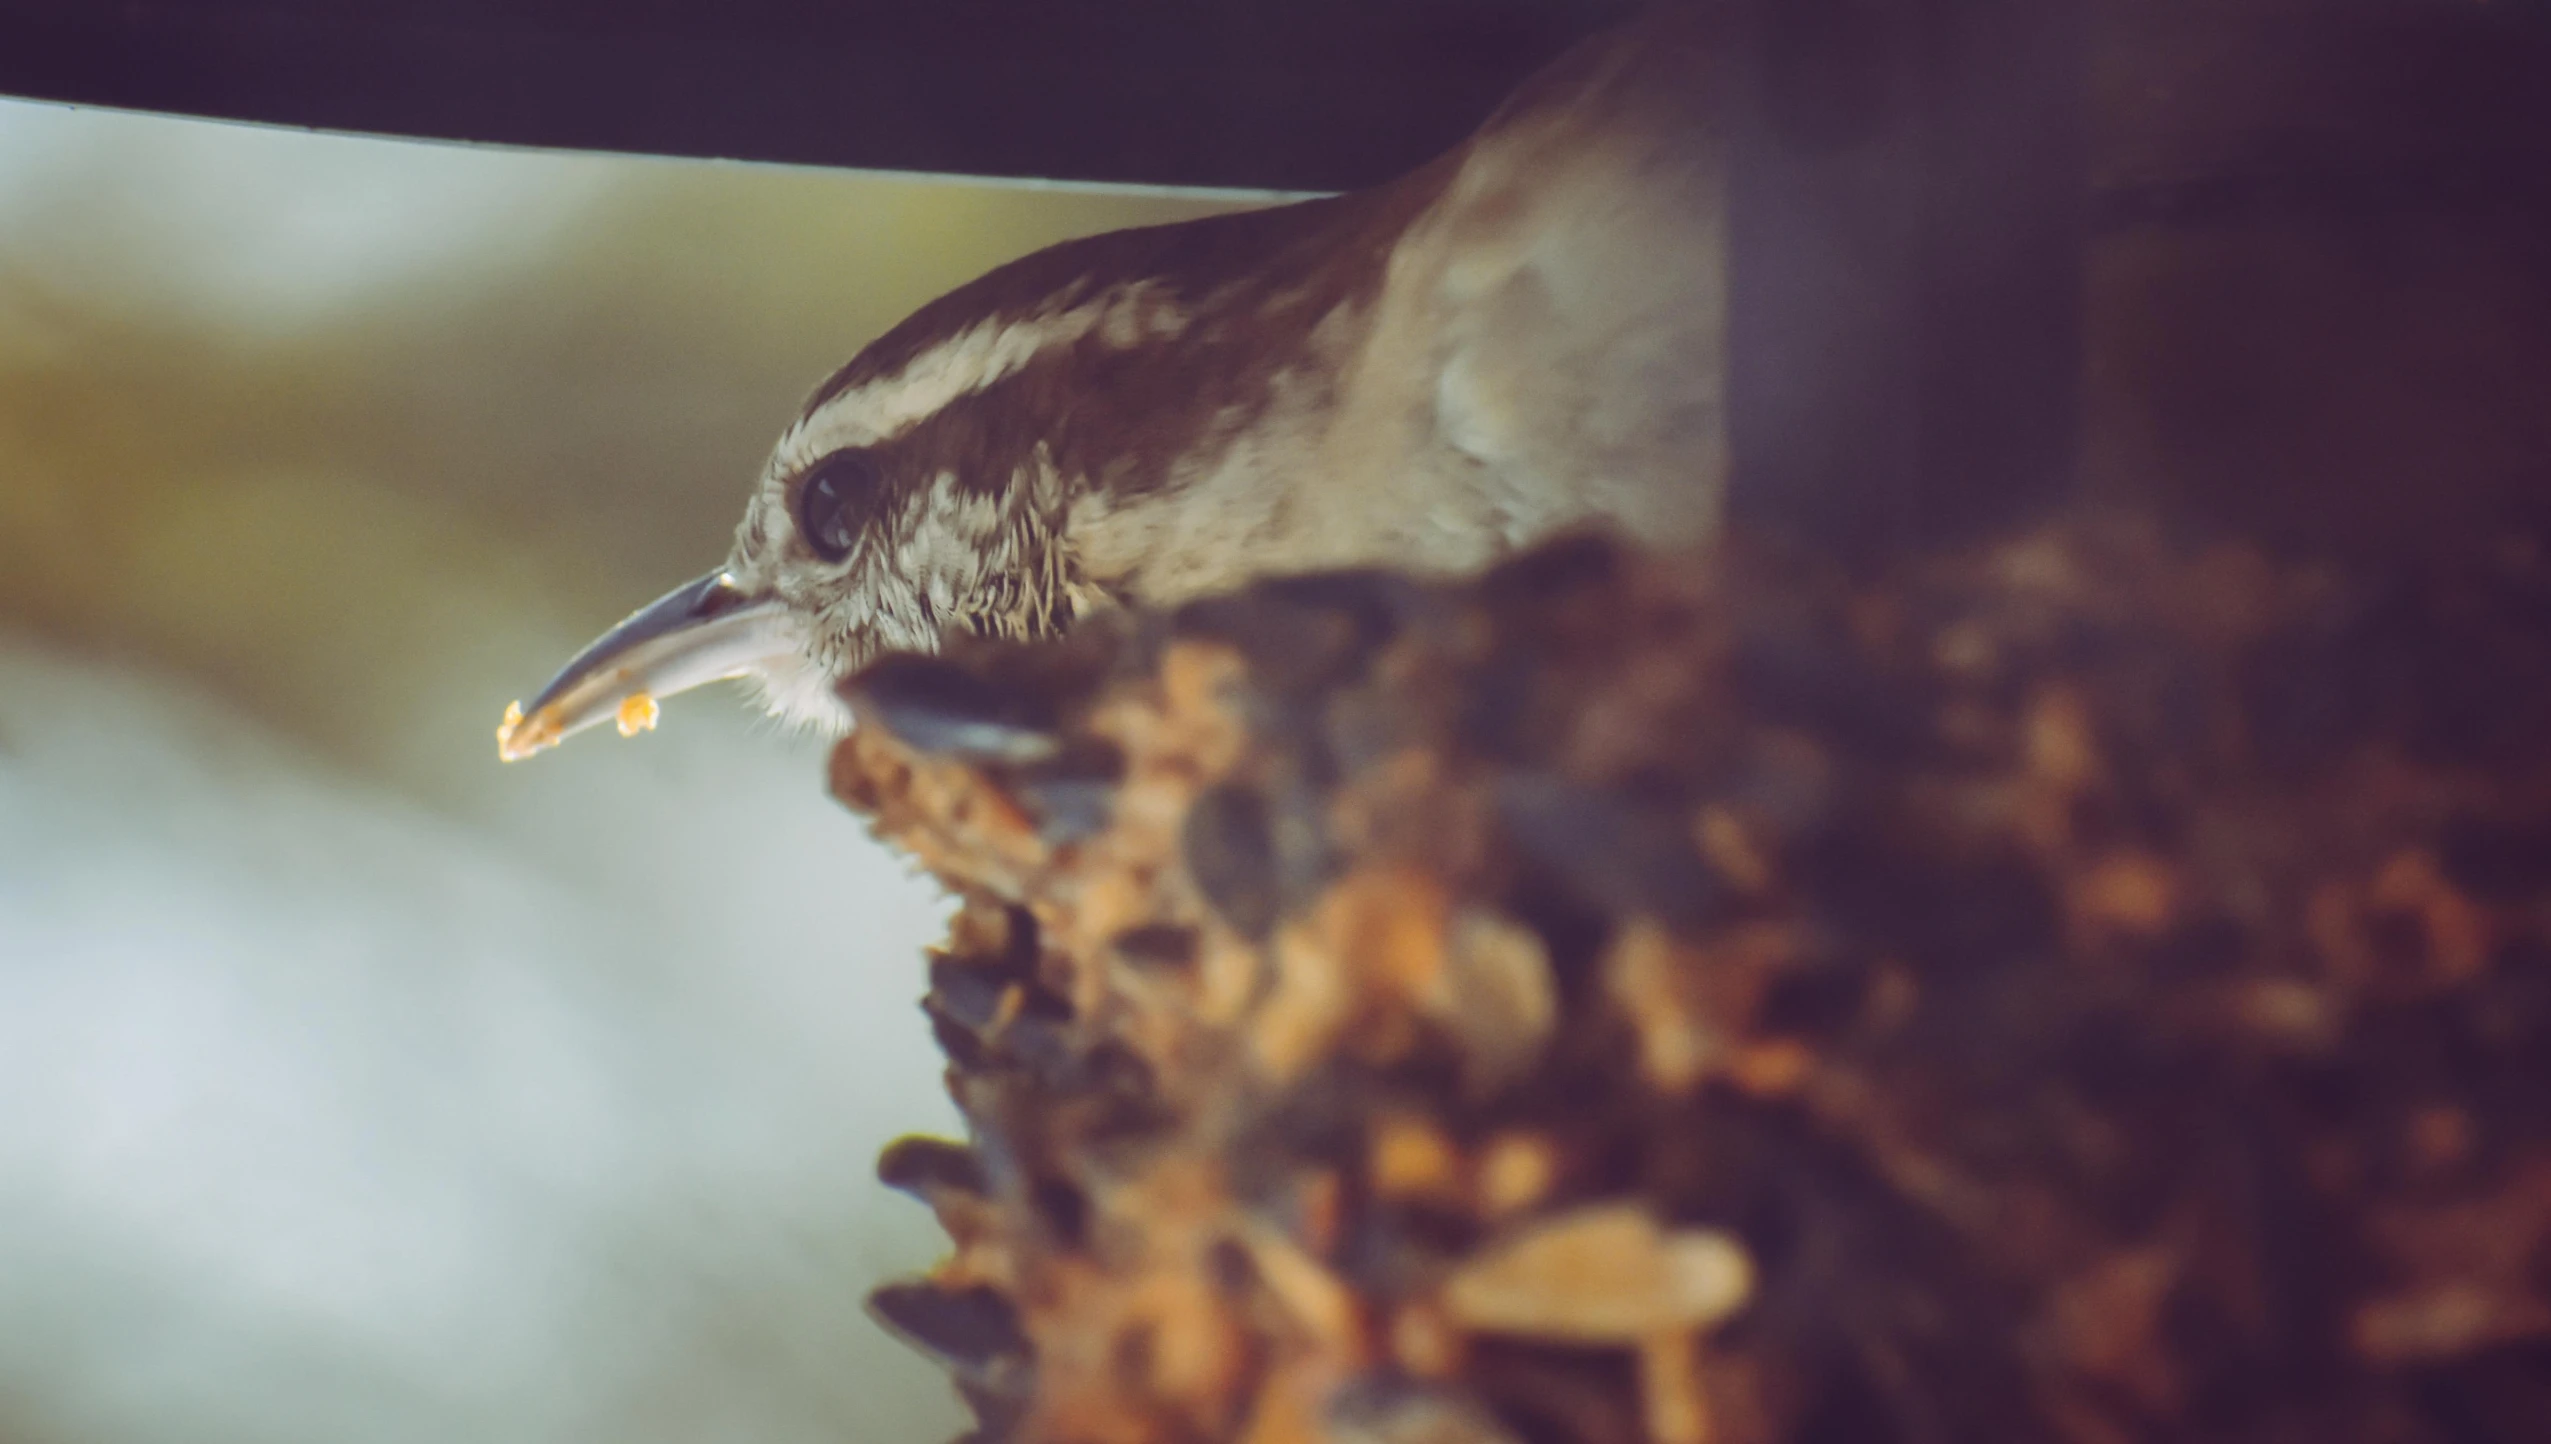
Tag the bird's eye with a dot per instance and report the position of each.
(833, 500)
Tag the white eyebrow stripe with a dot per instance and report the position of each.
(971, 361)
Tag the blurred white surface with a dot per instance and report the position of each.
(280, 229)
(331, 1119)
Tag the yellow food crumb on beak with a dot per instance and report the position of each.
(637, 714)
(518, 738)
(505, 730)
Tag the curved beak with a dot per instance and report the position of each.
(699, 632)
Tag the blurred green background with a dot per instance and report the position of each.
(352, 1086)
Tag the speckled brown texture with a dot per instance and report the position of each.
(2093, 989)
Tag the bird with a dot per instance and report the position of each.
(1522, 337)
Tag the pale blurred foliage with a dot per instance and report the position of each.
(353, 1087)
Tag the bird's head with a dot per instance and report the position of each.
(926, 489)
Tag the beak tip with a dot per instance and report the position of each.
(518, 737)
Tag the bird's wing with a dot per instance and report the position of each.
(1550, 333)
